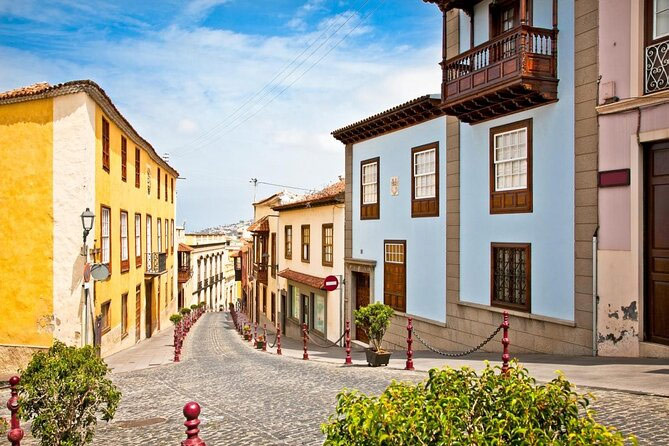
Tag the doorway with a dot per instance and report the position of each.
(138, 312)
(657, 243)
(305, 309)
(361, 300)
(148, 308)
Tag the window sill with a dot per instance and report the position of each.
(124, 335)
(520, 314)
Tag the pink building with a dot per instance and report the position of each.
(633, 194)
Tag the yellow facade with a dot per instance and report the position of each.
(26, 236)
(118, 195)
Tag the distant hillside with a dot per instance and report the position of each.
(231, 229)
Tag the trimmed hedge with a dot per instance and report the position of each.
(459, 407)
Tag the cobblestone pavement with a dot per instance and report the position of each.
(254, 398)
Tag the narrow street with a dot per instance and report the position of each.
(253, 398)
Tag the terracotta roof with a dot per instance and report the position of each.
(312, 281)
(261, 225)
(45, 90)
(184, 248)
(445, 5)
(410, 113)
(334, 193)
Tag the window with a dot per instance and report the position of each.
(425, 180)
(328, 237)
(172, 188)
(510, 264)
(656, 52)
(105, 312)
(294, 302)
(137, 167)
(394, 274)
(138, 240)
(172, 235)
(369, 189)
(167, 235)
(148, 180)
(124, 159)
(158, 183)
(105, 234)
(288, 250)
(165, 187)
(105, 144)
(319, 313)
(511, 168)
(272, 260)
(148, 239)
(306, 235)
(125, 262)
(124, 315)
(159, 235)
(660, 19)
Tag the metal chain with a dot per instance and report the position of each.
(334, 344)
(276, 336)
(459, 354)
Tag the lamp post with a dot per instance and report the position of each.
(87, 218)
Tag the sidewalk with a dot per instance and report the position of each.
(155, 351)
(636, 375)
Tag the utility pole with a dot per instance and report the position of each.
(255, 187)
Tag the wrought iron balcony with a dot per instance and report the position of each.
(513, 71)
(657, 67)
(156, 263)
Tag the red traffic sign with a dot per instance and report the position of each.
(330, 283)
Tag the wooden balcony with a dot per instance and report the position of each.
(260, 272)
(185, 273)
(512, 72)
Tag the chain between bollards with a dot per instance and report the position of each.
(305, 355)
(192, 412)
(409, 363)
(255, 334)
(348, 360)
(15, 433)
(264, 337)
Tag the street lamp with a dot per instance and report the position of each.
(87, 218)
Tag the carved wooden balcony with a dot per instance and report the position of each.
(185, 273)
(260, 272)
(512, 72)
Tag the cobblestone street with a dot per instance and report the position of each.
(254, 398)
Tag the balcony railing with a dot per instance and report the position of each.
(657, 67)
(185, 273)
(515, 70)
(156, 263)
(260, 272)
(206, 282)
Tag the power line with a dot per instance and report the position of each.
(210, 132)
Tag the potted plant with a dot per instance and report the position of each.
(175, 319)
(374, 320)
(247, 332)
(260, 341)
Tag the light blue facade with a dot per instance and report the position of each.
(550, 227)
(425, 237)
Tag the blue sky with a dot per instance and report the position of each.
(232, 89)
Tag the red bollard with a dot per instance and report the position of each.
(348, 344)
(264, 336)
(409, 364)
(176, 342)
(191, 412)
(278, 340)
(15, 433)
(305, 355)
(255, 334)
(505, 343)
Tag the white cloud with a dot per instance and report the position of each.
(177, 87)
(198, 9)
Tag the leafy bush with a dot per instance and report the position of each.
(175, 318)
(458, 407)
(63, 391)
(194, 306)
(4, 426)
(185, 311)
(202, 304)
(374, 319)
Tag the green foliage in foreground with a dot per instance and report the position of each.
(63, 391)
(458, 407)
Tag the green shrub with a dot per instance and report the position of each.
(4, 426)
(194, 306)
(202, 304)
(374, 320)
(458, 407)
(175, 318)
(185, 311)
(63, 391)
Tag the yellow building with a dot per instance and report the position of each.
(65, 148)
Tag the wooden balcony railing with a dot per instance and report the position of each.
(515, 70)
(185, 273)
(156, 263)
(260, 272)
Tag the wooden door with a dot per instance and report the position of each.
(394, 274)
(361, 300)
(148, 308)
(305, 310)
(138, 313)
(657, 243)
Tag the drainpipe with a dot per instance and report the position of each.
(595, 297)
(342, 282)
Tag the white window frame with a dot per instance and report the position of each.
(373, 167)
(105, 242)
(417, 175)
(159, 235)
(655, 36)
(167, 235)
(498, 163)
(397, 256)
(138, 235)
(125, 256)
(149, 235)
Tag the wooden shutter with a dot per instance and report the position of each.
(394, 274)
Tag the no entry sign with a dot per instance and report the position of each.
(331, 283)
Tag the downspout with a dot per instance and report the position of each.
(595, 297)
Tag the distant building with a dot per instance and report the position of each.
(71, 149)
